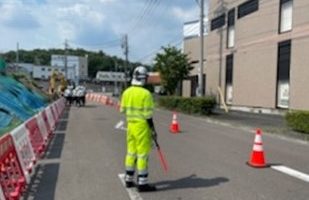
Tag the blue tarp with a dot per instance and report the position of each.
(17, 101)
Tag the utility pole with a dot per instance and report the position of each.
(200, 87)
(116, 90)
(17, 53)
(66, 46)
(125, 48)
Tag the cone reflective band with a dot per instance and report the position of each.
(257, 155)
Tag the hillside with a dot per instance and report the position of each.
(19, 100)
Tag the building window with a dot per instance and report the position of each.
(231, 28)
(286, 15)
(43, 69)
(283, 75)
(247, 8)
(194, 84)
(217, 22)
(229, 79)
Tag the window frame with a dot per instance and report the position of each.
(280, 16)
(241, 13)
(218, 18)
(230, 24)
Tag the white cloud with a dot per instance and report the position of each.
(184, 14)
(89, 23)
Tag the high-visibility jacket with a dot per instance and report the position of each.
(137, 104)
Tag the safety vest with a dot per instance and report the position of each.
(137, 104)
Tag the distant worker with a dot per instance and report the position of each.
(79, 94)
(137, 104)
(68, 95)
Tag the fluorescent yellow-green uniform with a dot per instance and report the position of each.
(137, 104)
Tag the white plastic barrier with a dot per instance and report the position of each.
(24, 150)
(56, 111)
(51, 120)
(42, 126)
(1, 194)
(61, 105)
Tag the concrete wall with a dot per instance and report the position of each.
(192, 49)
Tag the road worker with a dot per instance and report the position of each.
(137, 104)
(68, 95)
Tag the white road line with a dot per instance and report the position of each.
(133, 194)
(120, 125)
(292, 172)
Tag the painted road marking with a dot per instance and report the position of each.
(120, 125)
(133, 194)
(291, 172)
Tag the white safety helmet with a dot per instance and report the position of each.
(139, 76)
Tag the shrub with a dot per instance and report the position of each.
(298, 120)
(197, 105)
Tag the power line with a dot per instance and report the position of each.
(140, 17)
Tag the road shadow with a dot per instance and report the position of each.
(191, 181)
(55, 146)
(43, 183)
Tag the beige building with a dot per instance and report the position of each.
(257, 53)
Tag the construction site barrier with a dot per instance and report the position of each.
(22, 147)
(51, 119)
(99, 98)
(36, 138)
(42, 126)
(54, 115)
(46, 121)
(56, 111)
(12, 179)
(24, 150)
(1, 194)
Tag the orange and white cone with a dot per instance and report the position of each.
(174, 127)
(257, 155)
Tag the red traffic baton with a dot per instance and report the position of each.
(160, 154)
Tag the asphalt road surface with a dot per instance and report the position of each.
(206, 161)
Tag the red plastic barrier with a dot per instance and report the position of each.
(24, 149)
(36, 138)
(12, 179)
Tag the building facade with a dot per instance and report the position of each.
(77, 67)
(256, 54)
(44, 72)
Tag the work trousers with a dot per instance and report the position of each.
(139, 144)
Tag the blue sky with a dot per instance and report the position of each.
(95, 24)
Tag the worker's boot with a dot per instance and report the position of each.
(143, 185)
(129, 179)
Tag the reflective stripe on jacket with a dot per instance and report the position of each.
(137, 104)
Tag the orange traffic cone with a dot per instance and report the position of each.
(257, 155)
(174, 127)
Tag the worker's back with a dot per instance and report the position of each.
(137, 104)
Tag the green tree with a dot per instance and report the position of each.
(173, 66)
